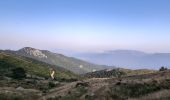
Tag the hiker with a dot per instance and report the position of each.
(52, 73)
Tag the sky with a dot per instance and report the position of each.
(85, 25)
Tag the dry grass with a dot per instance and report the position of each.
(9, 93)
(160, 95)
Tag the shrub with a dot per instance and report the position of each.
(163, 68)
(18, 73)
(51, 85)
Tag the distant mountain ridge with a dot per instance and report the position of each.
(75, 65)
(128, 59)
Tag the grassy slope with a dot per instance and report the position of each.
(153, 86)
(120, 72)
(130, 72)
(69, 63)
(33, 67)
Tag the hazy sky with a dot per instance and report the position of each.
(86, 25)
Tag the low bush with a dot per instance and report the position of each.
(18, 73)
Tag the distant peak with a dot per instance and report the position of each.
(33, 52)
(28, 48)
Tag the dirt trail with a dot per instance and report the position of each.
(93, 86)
(59, 91)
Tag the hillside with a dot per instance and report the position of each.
(75, 65)
(105, 74)
(8, 62)
(154, 86)
(130, 85)
(23, 78)
(118, 72)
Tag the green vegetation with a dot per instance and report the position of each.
(69, 63)
(105, 74)
(130, 72)
(9, 64)
(119, 72)
(163, 68)
(18, 73)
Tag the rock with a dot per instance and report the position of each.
(56, 82)
(118, 83)
(31, 81)
(35, 77)
(7, 78)
(44, 81)
(20, 88)
(85, 84)
(91, 94)
(28, 75)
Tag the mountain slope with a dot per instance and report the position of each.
(75, 65)
(8, 62)
(128, 59)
